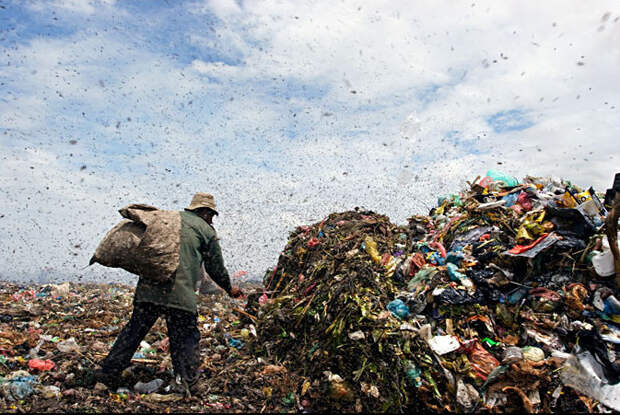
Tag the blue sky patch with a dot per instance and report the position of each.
(20, 26)
(460, 143)
(429, 93)
(511, 120)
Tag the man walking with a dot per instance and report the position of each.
(175, 300)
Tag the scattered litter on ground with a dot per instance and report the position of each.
(51, 340)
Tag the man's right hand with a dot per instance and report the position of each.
(236, 292)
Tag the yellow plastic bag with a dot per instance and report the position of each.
(371, 249)
(568, 200)
(523, 234)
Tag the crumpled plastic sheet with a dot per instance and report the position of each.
(19, 385)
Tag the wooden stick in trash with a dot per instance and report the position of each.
(612, 234)
(238, 310)
(133, 360)
(146, 361)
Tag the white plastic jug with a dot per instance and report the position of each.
(603, 260)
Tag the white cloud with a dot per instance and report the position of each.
(217, 69)
(222, 8)
(23, 113)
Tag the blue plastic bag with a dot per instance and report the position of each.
(453, 272)
(399, 309)
(414, 375)
(455, 257)
(510, 199)
(19, 387)
(237, 344)
(498, 176)
(436, 259)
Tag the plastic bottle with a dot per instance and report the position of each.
(148, 387)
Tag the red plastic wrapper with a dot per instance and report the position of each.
(482, 361)
(485, 182)
(438, 246)
(518, 249)
(417, 262)
(263, 299)
(524, 200)
(239, 274)
(313, 242)
(41, 365)
(545, 293)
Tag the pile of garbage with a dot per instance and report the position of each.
(501, 299)
(52, 336)
(324, 308)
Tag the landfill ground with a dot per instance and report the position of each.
(504, 298)
(35, 321)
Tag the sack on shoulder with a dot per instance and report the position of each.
(146, 243)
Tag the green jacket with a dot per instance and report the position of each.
(199, 243)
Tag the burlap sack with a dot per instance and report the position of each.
(146, 243)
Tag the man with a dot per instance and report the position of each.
(175, 300)
(613, 199)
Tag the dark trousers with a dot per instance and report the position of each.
(182, 331)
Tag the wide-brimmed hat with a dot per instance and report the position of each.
(202, 200)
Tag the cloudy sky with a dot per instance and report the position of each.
(285, 111)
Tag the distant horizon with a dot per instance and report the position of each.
(125, 279)
(242, 282)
